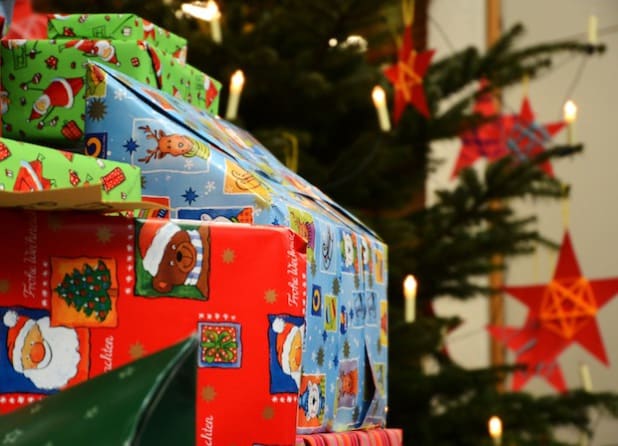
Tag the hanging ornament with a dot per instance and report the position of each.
(560, 313)
(526, 138)
(518, 135)
(407, 76)
(488, 140)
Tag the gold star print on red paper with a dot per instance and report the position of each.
(137, 350)
(407, 77)
(560, 313)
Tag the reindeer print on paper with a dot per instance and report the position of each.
(173, 145)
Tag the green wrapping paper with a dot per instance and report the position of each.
(42, 95)
(115, 27)
(28, 167)
(188, 83)
(147, 402)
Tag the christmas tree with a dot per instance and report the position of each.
(307, 98)
(88, 290)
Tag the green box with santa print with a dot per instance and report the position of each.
(43, 85)
(42, 93)
(27, 167)
(188, 83)
(116, 27)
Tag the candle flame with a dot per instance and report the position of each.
(237, 81)
(495, 427)
(207, 11)
(570, 111)
(378, 95)
(409, 287)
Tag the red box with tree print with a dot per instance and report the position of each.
(86, 293)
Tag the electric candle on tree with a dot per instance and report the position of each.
(207, 11)
(570, 114)
(215, 24)
(409, 293)
(495, 430)
(236, 84)
(586, 379)
(592, 29)
(379, 101)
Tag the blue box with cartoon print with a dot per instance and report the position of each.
(205, 168)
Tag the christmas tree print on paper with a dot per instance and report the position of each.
(84, 292)
(88, 290)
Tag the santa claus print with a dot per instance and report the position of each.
(285, 335)
(211, 91)
(40, 358)
(103, 49)
(156, 64)
(60, 92)
(149, 30)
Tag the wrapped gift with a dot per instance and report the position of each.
(204, 168)
(158, 409)
(115, 27)
(27, 167)
(386, 437)
(191, 85)
(44, 84)
(85, 294)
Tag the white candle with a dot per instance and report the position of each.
(215, 29)
(495, 430)
(379, 101)
(236, 84)
(215, 24)
(409, 293)
(586, 379)
(570, 114)
(593, 38)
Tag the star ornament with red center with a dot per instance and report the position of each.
(560, 313)
(526, 138)
(488, 140)
(407, 77)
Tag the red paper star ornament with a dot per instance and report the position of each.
(526, 138)
(488, 140)
(560, 313)
(407, 77)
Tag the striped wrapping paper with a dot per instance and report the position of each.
(371, 437)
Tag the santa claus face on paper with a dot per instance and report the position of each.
(51, 360)
(104, 49)
(36, 351)
(47, 356)
(296, 352)
(42, 104)
(285, 336)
